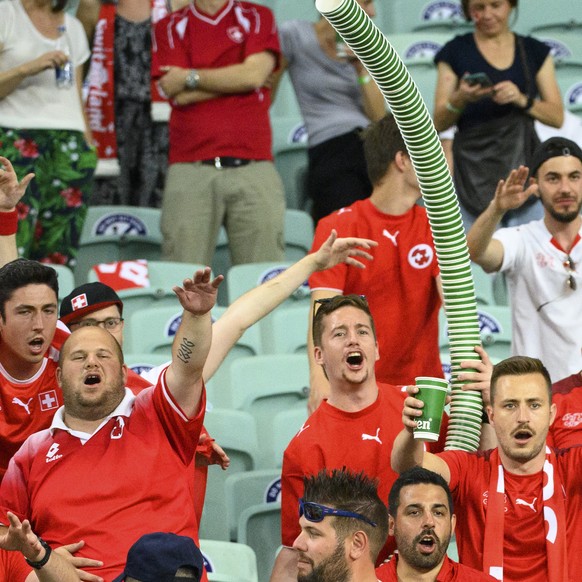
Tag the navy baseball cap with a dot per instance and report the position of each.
(553, 148)
(87, 298)
(156, 557)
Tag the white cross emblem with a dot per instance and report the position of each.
(79, 301)
(48, 400)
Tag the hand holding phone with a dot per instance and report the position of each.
(482, 79)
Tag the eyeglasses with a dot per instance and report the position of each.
(570, 267)
(315, 512)
(110, 323)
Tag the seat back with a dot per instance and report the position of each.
(496, 331)
(117, 233)
(66, 280)
(414, 15)
(225, 561)
(285, 331)
(260, 528)
(244, 490)
(286, 424)
(235, 431)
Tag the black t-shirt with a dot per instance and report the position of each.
(463, 56)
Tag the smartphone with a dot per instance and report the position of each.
(478, 79)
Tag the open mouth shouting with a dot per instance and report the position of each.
(522, 435)
(355, 359)
(37, 345)
(92, 379)
(427, 542)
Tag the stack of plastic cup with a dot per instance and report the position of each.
(440, 200)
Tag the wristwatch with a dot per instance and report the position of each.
(192, 79)
(38, 565)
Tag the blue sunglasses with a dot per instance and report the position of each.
(315, 512)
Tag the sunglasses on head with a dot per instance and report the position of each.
(315, 512)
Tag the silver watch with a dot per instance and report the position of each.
(192, 79)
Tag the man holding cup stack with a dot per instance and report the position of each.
(518, 504)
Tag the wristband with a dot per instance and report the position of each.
(484, 417)
(450, 107)
(364, 80)
(38, 565)
(8, 223)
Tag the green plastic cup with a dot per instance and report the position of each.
(433, 395)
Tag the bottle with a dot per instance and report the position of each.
(64, 74)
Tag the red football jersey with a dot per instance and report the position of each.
(567, 428)
(133, 476)
(235, 124)
(524, 548)
(399, 285)
(13, 568)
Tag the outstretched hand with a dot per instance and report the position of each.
(20, 537)
(511, 193)
(68, 552)
(343, 250)
(198, 295)
(11, 191)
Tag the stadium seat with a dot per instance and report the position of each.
(163, 275)
(424, 74)
(226, 561)
(235, 431)
(540, 18)
(260, 528)
(565, 46)
(418, 46)
(153, 330)
(413, 15)
(285, 331)
(66, 280)
(242, 278)
(285, 104)
(495, 327)
(483, 285)
(244, 490)
(569, 77)
(265, 385)
(286, 424)
(294, 9)
(144, 362)
(116, 233)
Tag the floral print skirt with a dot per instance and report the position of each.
(53, 209)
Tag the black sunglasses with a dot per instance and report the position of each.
(315, 512)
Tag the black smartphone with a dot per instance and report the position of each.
(478, 79)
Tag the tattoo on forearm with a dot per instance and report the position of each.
(185, 350)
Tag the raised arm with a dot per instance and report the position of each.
(11, 191)
(192, 342)
(408, 451)
(19, 537)
(260, 301)
(510, 193)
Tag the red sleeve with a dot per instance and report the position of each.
(291, 490)
(167, 46)
(13, 568)
(182, 432)
(330, 278)
(263, 36)
(13, 490)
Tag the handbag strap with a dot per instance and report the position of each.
(526, 71)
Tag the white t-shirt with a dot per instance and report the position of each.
(37, 103)
(535, 273)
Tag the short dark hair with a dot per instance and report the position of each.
(349, 491)
(22, 272)
(326, 306)
(519, 366)
(382, 141)
(58, 5)
(416, 476)
(465, 7)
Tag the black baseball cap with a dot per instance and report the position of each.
(156, 557)
(554, 148)
(88, 298)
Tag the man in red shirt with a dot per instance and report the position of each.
(125, 457)
(519, 505)
(567, 396)
(343, 526)
(354, 428)
(213, 60)
(422, 521)
(402, 285)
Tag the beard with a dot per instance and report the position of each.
(423, 562)
(564, 218)
(78, 405)
(333, 569)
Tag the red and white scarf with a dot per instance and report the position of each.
(554, 516)
(99, 105)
